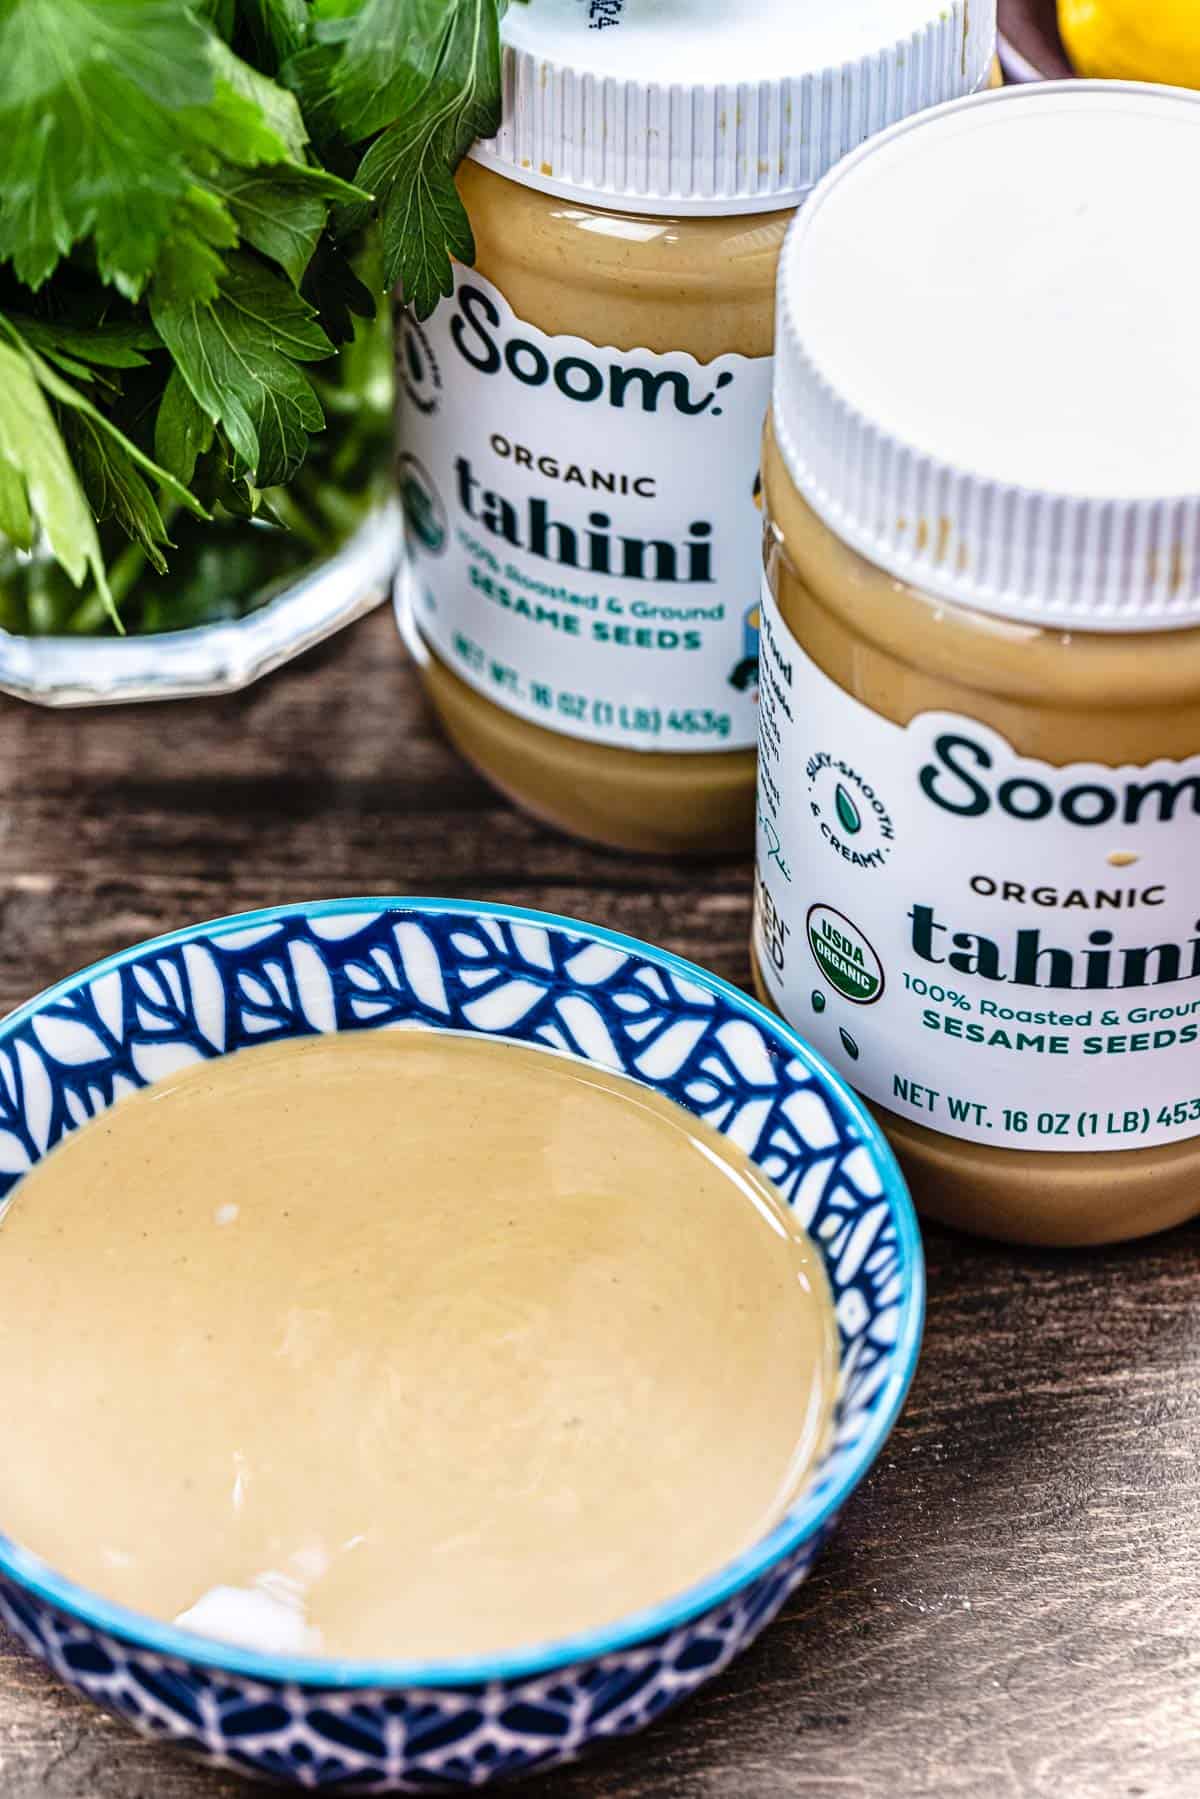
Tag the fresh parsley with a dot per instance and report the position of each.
(201, 203)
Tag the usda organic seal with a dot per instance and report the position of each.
(844, 955)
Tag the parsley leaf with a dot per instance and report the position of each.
(274, 30)
(121, 447)
(114, 485)
(192, 263)
(265, 117)
(183, 431)
(39, 480)
(16, 520)
(277, 211)
(428, 71)
(385, 49)
(281, 209)
(335, 289)
(192, 196)
(238, 354)
(88, 129)
(110, 113)
(106, 346)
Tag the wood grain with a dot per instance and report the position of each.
(1012, 1604)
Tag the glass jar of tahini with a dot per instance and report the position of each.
(580, 422)
(978, 862)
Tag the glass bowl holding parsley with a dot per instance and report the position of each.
(202, 205)
(243, 592)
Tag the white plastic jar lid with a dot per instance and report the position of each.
(987, 374)
(718, 106)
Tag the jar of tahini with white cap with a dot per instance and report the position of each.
(978, 864)
(580, 422)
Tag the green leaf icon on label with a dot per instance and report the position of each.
(848, 1044)
(847, 811)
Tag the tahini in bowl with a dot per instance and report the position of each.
(348, 965)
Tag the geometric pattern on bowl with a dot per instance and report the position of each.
(535, 979)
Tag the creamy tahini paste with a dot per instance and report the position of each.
(402, 1344)
(580, 420)
(580, 427)
(1063, 1043)
(979, 778)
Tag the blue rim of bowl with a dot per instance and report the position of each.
(802, 1522)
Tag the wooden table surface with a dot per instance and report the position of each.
(1012, 1603)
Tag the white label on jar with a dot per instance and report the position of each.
(584, 525)
(993, 947)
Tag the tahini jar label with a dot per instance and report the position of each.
(995, 948)
(584, 525)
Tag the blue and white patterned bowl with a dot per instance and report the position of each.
(347, 965)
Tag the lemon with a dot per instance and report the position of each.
(1133, 40)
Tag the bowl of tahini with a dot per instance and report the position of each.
(434, 1337)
